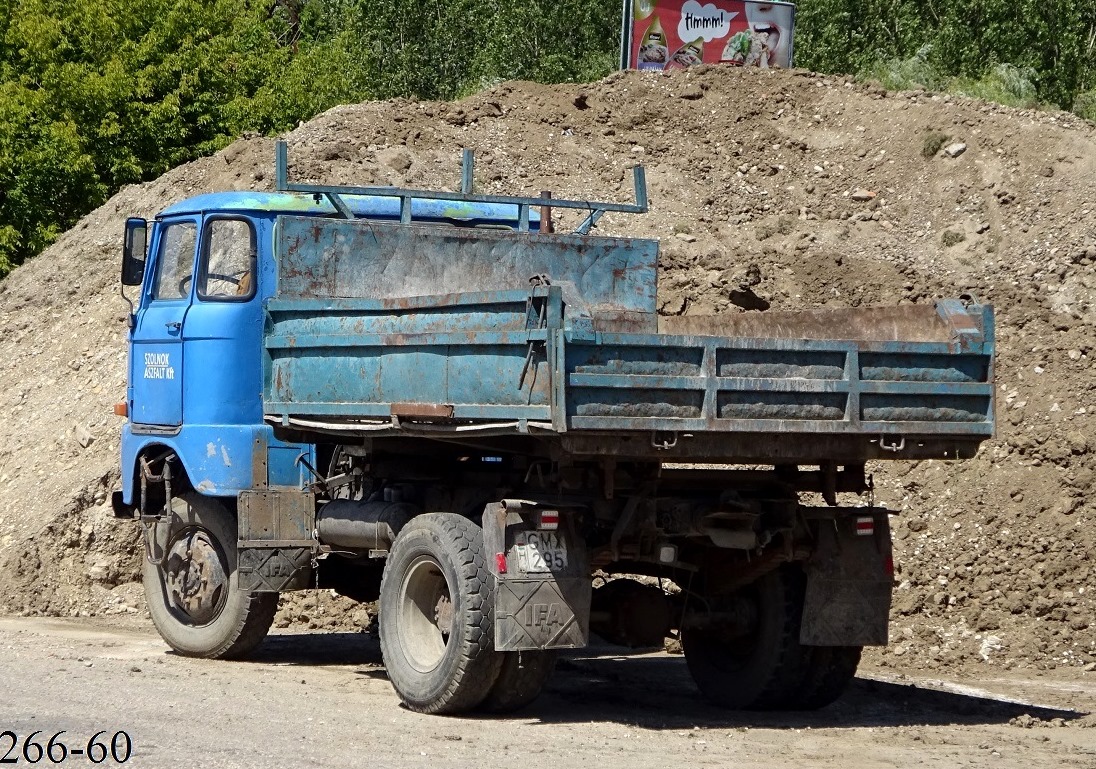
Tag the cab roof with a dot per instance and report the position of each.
(365, 206)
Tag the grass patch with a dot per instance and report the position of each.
(1085, 105)
(1001, 83)
(952, 238)
(1004, 84)
(907, 74)
(932, 143)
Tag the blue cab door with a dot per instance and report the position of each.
(224, 326)
(157, 352)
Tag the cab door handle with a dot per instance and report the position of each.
(173, 325)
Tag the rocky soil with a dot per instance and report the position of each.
(768, 189)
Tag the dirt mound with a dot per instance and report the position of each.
(768, 189)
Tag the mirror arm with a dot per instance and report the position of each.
(131, 315)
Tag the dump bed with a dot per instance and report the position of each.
(457, 333)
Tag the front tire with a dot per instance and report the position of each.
(437, 615)
(193, 596)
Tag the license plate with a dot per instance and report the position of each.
(541, 551)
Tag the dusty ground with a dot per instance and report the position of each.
(781, 189)
(323, 700)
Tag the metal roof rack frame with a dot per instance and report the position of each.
(334, 194)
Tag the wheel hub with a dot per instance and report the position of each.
(195, 576)
(426, 614)
(443, 614)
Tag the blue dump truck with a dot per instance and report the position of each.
(432, 400)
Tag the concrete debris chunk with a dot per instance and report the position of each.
(84, 436)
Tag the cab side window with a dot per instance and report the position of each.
(174, 268)
(228, 261)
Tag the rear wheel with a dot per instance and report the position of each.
(436, 615)
(762, 668)
(193, 595)
(521, 680)
(830, 669)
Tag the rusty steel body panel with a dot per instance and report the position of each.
(334, 258)
(384, 329)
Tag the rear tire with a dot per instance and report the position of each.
(520, 681)
(830, 669)
(193, 597)
(763, 669)
(437, 615)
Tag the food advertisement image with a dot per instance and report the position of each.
(671, 34)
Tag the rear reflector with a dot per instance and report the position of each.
(549, 520)
(500, 563)
(121, 409)
(865, 526)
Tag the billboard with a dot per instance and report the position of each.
(670, 34)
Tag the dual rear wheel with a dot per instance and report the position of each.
(767, 668)
(437, 624)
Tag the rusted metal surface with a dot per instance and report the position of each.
(422, 410)
(385, 328)
(355, 259)
(906, 323)
(758, 446)
(195, 578)
(285, 516)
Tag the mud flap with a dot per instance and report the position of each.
(275, 548)
(536, 609)
(849, 582)
(274, 569)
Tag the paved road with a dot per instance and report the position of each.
(323, 701)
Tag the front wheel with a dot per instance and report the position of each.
(436, 615)
(193, 594)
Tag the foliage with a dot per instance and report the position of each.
(1085, 105)
(95, 94)
(1017, 51)
(905, 74)
(100, 93)
(1003, 83)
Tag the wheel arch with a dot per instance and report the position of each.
(217, 460)
(151, 450)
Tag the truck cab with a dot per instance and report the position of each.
(196, 354)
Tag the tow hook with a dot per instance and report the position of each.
(895, 444)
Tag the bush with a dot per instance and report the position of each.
(906, 74)
(1085, 105)
(1004, 84)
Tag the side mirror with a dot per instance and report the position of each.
(134, 252)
